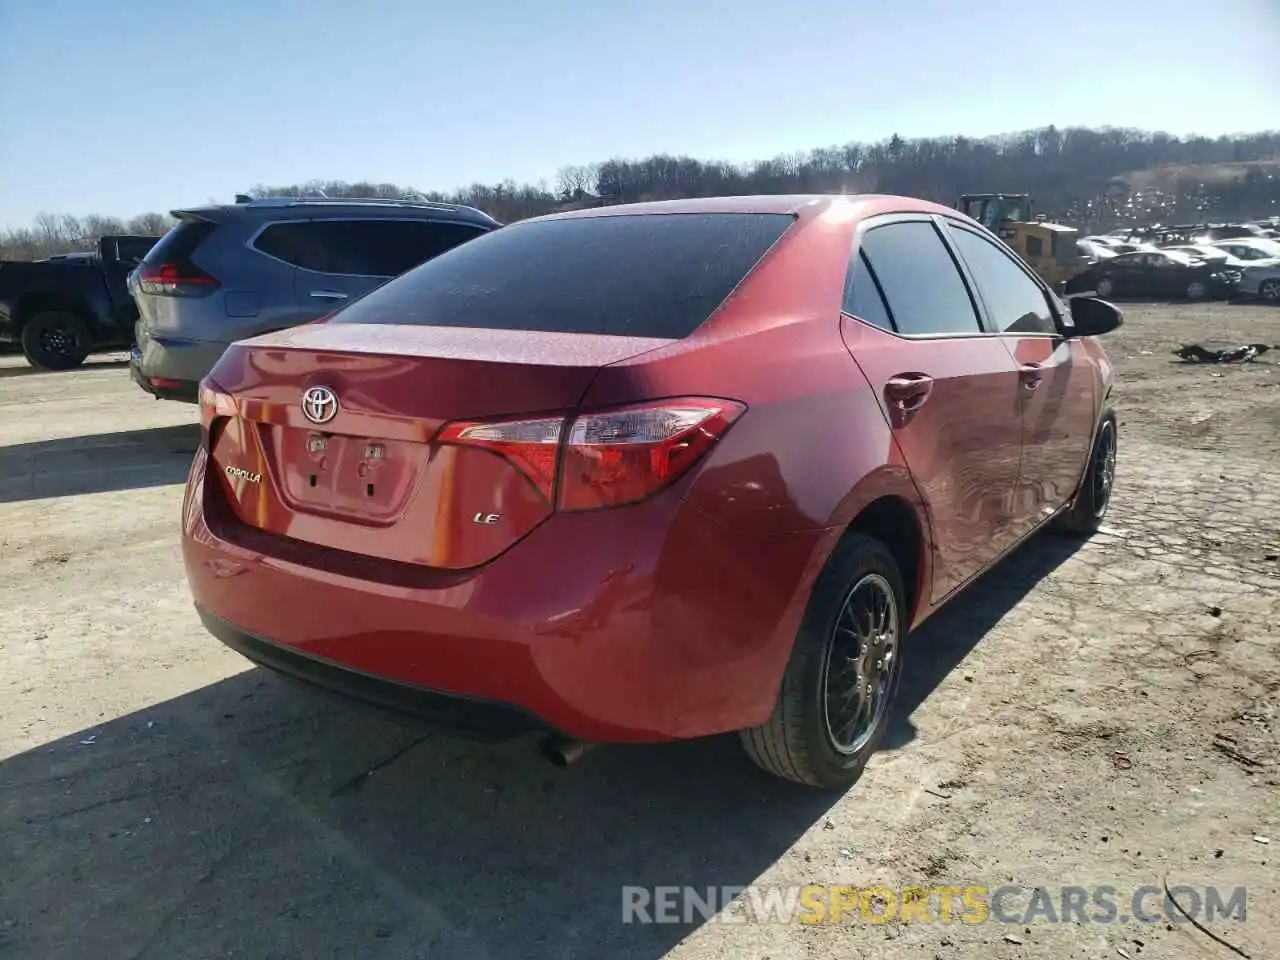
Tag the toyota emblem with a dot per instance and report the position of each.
(319, 404)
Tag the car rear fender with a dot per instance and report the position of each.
(877, 505)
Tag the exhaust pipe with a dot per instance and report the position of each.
(562, 751)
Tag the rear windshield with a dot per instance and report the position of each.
(640, 275)
(180, 242)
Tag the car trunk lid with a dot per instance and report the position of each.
(369, 477)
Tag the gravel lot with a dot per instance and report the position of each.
(1103, 714)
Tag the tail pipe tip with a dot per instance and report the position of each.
(564, 751)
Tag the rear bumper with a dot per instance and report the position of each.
(465, 715)
(645, 623)
(172, 368)
(162, 389)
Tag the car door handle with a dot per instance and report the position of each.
(907, 392)
(328, 294)
(1031, 374)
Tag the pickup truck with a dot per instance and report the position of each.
(61, 309)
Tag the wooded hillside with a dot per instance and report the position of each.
(1092, 178)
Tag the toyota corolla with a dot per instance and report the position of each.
(650, 472)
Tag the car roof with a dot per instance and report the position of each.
(281, 208)
(801, 205)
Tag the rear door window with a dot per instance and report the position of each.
(921, 282)
(641, 275)
(362, 248)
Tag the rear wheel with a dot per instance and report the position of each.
(1269, 291)
(842, 678)
(55, 340)
(1104, 287)
(1093, 499)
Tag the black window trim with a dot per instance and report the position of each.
(252, 241)
(948, 223)
(935, 221)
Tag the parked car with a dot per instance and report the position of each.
(650, 472)
(1261, 281)
(1229, 231)
(1210, 253)
(1158, 274)
(63, 308)
(228, 272)
(1093, 251)
(1117, 245)
(1250, 249)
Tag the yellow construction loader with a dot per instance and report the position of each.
(1048, 248)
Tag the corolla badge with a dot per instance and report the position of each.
(319, 404)
(240, 473)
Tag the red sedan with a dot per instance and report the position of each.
(650, 472)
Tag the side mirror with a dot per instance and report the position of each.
(1090, 317)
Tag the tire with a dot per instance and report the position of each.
(1093, 499)
(1269, 291)
(55, 340)
(795, 742)
(1197, 290)
(1104, 287)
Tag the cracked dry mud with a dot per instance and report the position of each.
(1087, 715)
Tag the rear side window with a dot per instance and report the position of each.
(369, 248)
(1015, 303)
(641, 275)
(180, 243)
(862, 297)
(921, 283)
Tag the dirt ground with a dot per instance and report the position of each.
(1095, 715)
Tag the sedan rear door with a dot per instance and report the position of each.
(949, 391)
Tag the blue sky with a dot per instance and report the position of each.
(124, 106)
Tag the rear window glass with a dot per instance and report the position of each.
(180, 242)
(642, 275)
(362, 248)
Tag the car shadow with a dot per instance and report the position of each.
(249, 818)
(100, 462)
(946, 638)
(23, 369)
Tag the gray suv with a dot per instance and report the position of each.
(224, 273)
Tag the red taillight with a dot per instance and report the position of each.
(175, 280)
(605, 458)
(530, 444)
(214, 404)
